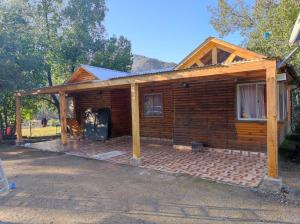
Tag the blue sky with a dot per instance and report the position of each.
(164, 29)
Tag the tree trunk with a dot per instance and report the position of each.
(5, 120)
(46, 6)
(54, 97)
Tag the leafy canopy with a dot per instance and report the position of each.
(43, 41)
(252, 21)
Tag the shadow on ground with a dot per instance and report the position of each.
(65, 189)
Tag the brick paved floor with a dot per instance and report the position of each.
(221, 165)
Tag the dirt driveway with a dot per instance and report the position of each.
(56, 188)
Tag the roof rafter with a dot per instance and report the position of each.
(210, 45)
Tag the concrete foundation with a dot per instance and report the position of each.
(271, 184)
(136, 161)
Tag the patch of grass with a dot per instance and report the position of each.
(290, 148)
(38, 132)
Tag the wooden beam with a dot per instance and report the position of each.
(272, 133)
(241, 51)
(208, 44)
(63, 117)
(230, 58)
(136, 145)
(199, 63)
(214, 56)
(194, 56)
(18, 119)
(249, 66)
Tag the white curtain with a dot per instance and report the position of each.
(148, 105)
(261, 104)
(157, 104)
(248, 101)
(281, 104)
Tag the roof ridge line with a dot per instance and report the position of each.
(81, 65)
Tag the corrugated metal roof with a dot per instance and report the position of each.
(108, 74)
(104, 73)
(153, 71)
(146, 73)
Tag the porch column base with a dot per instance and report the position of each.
(136, 161)
(271, 184)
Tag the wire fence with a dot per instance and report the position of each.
(35, 128)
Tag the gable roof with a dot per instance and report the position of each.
(211, 45)
(103, 73)
(97, 72)
(212, 42)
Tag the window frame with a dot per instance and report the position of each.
(162, 104)
(284, 103)
(238, 101)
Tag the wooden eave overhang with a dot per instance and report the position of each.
(213, 70)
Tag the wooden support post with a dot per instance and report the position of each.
(136, 145)
(63, 118)
(272, 133)
(18, 119)
(214, 56)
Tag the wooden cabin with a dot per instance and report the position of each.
(220, 95)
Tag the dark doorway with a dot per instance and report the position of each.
(96, 124)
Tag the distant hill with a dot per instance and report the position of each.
(142, 63)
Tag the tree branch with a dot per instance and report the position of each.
(48, 100)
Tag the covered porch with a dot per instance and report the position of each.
(212, 162)
(222, 165)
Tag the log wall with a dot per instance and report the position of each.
(120, 112)
(206, 112)
(117, 100)
(162, 126)
(203, 110)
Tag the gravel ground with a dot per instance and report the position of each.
(56, 188)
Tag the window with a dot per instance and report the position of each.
(252, 101)
(153, 105)
(70, 107)
(282, 101)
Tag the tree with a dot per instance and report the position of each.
(115, 55)
(274, 16)
(69, 33)
(43, 41)
(19, 59)
(84, 32)
(47, 23)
